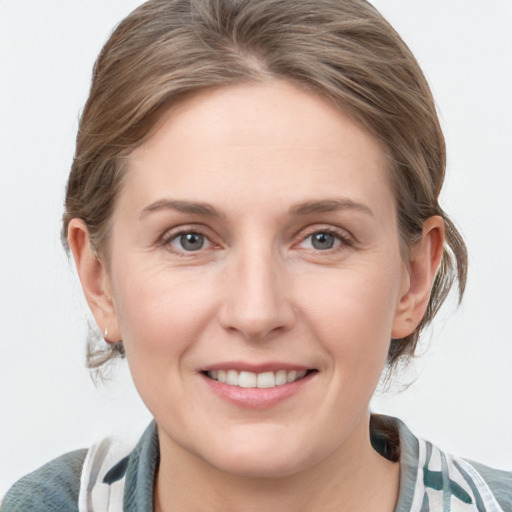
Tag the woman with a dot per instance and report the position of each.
(253, 212)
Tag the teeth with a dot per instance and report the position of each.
(247, 380)
(266, 380)
(256, 380)
(291, 376)
(281, 378)
(232, 378)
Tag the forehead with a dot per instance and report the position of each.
(269, 140)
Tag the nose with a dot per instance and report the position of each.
(257, 296)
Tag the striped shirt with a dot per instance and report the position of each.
(114, 476)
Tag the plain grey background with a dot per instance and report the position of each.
(461, 397)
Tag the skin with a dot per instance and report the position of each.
(275, 165)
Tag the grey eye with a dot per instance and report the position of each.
(189, 241)
(323, 241)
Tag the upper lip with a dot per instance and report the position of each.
(242, 366)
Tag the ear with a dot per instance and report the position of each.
(426, 256)
(95, 281)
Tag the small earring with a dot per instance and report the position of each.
(106, 332)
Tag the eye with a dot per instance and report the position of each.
(189, 242)
(323, 240)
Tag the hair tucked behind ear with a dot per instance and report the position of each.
(341, 49)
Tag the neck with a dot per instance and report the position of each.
(352, 478)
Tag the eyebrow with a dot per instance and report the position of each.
(195, 208)
(301, 209)
(329, 205)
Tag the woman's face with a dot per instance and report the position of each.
(256, 276)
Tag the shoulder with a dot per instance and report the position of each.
(92, 479)
(432, 479)
(464, 481)
(465, 485)
(499, 482)
(54, 486)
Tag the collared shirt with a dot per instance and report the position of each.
(116, 477)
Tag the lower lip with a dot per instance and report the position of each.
(257, 398)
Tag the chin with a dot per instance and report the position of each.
(263, 456)
(260, 467)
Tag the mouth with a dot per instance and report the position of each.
(263, 380)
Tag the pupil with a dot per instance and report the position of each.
(323, 241)
(192, 241)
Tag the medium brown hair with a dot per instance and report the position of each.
(343, 50)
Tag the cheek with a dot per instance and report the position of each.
(161, 312)
(352, 312)
(161, 316)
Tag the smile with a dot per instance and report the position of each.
(265, 380)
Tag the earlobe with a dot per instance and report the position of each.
(426, 256)
(94, 279)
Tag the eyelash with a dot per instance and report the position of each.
(343, 239)
(174, 235)
(340, 235)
